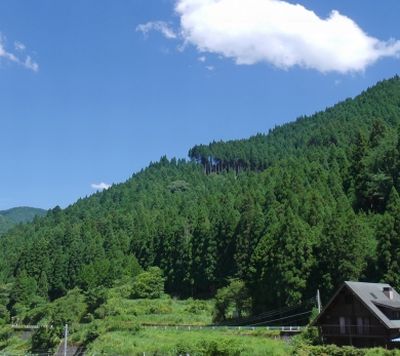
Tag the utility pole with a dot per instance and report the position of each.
(66, 340)
(318, 301)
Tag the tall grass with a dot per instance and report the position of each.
(197, 342)
(164, 311)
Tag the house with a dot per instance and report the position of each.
(361, 314)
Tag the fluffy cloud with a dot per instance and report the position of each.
(159, 26)
(279, 33)
(100, 186)
(28, 63)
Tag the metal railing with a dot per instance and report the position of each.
(353, 330)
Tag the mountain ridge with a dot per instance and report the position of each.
(22, 214)
(298, 209)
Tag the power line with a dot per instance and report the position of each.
(272, 313)
(275, 320)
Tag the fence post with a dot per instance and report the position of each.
(66, 340)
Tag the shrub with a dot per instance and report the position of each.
(332, 350)
(236, 296)
(91, 334)
(213, 347)
(4, 315)
(69, 309)
(121, 291)
(94, 298)
(196, 306)
(149, 284)
(5, 333)
(44, 339)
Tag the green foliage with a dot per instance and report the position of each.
(24, 294)
(94, 298)
(5, 333)
(164, 311)
(11, 217)
(196, 306)
(332, 350)
(388, 235)
(69, 309)
(149, 284)
(305, 206)
(5, 291)
(11, 344)
(234, 296)
(44, 339)
(195, 342)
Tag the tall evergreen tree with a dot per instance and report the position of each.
(388, 235)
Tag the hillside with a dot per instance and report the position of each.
(306, 206)
(11, 217)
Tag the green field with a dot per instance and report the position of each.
(172, 342)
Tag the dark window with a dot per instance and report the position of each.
(367, 326)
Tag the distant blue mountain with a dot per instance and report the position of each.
(14, 216)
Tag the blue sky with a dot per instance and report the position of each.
(92, 91)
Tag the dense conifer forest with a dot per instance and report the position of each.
(306, 206)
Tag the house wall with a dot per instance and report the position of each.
(348, 322)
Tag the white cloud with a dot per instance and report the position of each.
(28, 63)
(210, 68)
(159, 26)
(19, 46)
(279, 33)
(100, 186)
(202, 59)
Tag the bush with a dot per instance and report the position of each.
(213, 347)
(94, 298)
(332, 350)
(44, 339)
(69, 309)
(235, 296)
(5, 333)
(221, 348)
(310, 336)
(121, 291)
(149, 284)
(91, 334)
(4, 315)
(196, 306)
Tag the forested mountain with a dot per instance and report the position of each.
(306, 206)
(11, 217)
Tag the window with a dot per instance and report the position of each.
(366, 326)
(342, 323)
(360, 324)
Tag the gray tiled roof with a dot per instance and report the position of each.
(392, 304)
(372, 294)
